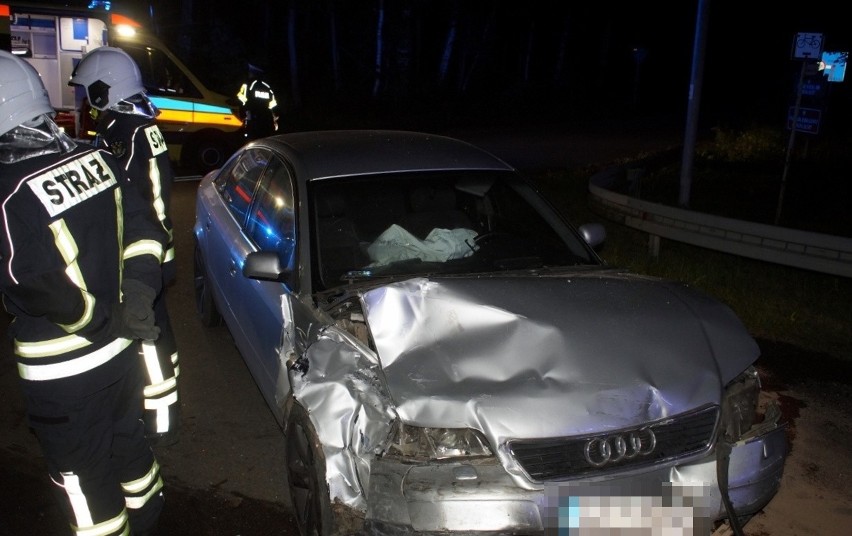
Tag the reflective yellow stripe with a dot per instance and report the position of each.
(164, 402)
(176, 116)
(110, 526)
(152, 364)
(199, 118)
(160, 387)
(76, 498)
(68, 249)
(50, 348)
(65, 244)
(216, 119)
(88, 312)
(75, 366)
(138, 502)
(160, 407)
(144, 247)
(157, 190)
(159, 204)
(142, 483)
(83, 514)
(119, 222)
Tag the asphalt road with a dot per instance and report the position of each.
(226, 477)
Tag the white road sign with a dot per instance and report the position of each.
(807, 46)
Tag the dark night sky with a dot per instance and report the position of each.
(748, 71)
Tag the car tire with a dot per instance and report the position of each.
(205, 306)
(306, 476)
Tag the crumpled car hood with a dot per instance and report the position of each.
(525, 357)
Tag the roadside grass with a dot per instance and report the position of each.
(806, 309)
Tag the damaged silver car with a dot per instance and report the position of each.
(445, 353)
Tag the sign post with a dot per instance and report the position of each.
(806, 47)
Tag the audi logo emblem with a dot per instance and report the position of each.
(617, 447)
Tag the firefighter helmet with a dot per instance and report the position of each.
(22, 93)
(109, 76)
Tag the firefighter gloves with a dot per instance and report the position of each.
(137, 311)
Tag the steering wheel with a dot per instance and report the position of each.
(487, 236)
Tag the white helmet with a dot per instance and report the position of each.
(109, 76)
(22, 93)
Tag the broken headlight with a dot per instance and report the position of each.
(739, 404)
(423, 443)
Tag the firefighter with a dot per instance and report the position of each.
(79, 268)
(126, 125)
(258, 106)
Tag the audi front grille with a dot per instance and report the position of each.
(564, 458)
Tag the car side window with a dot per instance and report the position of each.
(238, 180)
(272, 223)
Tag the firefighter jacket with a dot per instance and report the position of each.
(137, 143)
(70, 233)
(258, 108)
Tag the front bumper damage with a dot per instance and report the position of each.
(449, 357)
(482, 498)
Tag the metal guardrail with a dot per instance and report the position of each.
(812, 251)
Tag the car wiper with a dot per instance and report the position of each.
(357, 275)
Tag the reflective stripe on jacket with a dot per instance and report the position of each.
(70, 233)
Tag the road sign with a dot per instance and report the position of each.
(807, 122)
(813, 87)
(807, 46)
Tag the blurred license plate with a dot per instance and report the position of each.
(605, 509)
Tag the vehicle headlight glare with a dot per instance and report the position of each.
(739, 404)
(423, 443)
(125, 30)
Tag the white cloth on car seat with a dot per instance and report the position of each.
(440, 245)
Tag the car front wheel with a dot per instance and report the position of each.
(306, 476)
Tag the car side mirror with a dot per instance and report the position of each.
(264, 265)
(593, 233)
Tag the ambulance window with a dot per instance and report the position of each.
(160, 75)
(43, 46)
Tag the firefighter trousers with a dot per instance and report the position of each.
(105, 474)
(160, 363)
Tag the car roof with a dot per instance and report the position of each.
(336, 153)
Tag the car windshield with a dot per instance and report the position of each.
(451, 222)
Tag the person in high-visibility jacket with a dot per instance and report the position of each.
(258, 106)
(126, 125)
(80, 264)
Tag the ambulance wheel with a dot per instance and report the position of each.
(204, 153)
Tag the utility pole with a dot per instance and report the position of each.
(694, 101)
